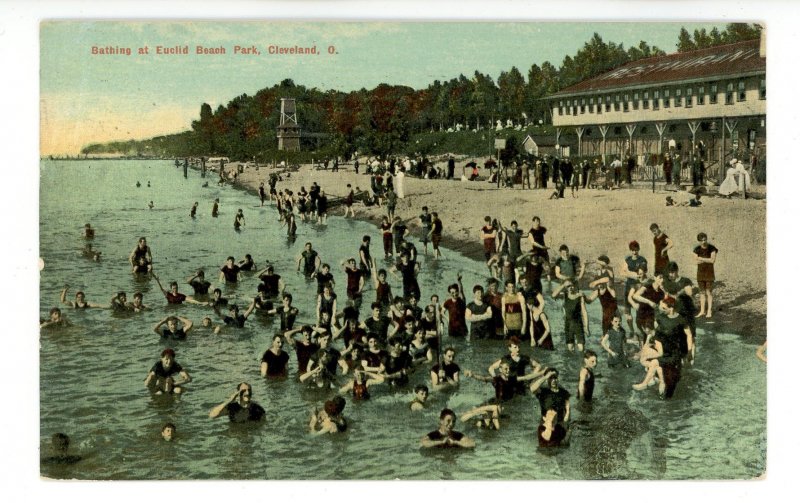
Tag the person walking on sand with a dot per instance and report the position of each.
(662, 244)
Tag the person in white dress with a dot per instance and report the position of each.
(399, 182)
(729, 186)
(744, 177)
(737, 179)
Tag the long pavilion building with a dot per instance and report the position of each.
(714, 99)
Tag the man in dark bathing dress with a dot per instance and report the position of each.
(240, 407)
(445, 436)
(663, 357)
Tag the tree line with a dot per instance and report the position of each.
(382, 121)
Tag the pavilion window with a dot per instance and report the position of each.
(656, 100)
(666, 98)
(688, 97)
(646, 100)
(729, 94)
(616, 103)
(625, 100)
(742, 91)
(701, 95)
(678, 98)
(762, 89)
(712, 94)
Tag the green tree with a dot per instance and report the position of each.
(685, 42)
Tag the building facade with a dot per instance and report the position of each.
(710, 101)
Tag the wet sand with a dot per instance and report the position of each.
(593, 223)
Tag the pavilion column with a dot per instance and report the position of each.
(693, 126)
(604, 132)
(558, 140)
(660, 127)
(579, 131)
(731, 127)
(630, 128)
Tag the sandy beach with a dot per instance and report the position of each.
(593, 223)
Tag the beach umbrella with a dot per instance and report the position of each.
(490, 162)
(471, 164)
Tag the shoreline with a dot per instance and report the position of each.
(736, 226)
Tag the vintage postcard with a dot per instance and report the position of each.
(388, 250)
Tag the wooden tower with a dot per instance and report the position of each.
(288, 129)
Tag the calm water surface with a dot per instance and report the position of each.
(92, 373)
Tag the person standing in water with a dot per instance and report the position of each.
(705, 254)
(240, 407)
(160, 379)
(238, 222)
(445, 435)
(141, 251)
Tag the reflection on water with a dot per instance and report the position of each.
(92, 373)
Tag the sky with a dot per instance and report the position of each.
(88, 98)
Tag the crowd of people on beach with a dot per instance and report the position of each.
(648, 317)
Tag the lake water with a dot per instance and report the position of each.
(92, 373)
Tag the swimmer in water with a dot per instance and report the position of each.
(142, 250)
(160, 376)
(56, 320)
(193, 211)
(88, 232)
(238, 222)
(240, 407)
(173, 331)
(79, 302)
(445, 435)
(229, 272)
(150, 205)
(247, 263)
(137, 305)
(420, 398)
(215, 208)
(488, 416)
(361, 382)
(550, 432)
(329, 419)
(91, 253)
(586, 376)
(60, 451)
(207, 325)
(173, 296)
(119, 302)
(168, 432)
